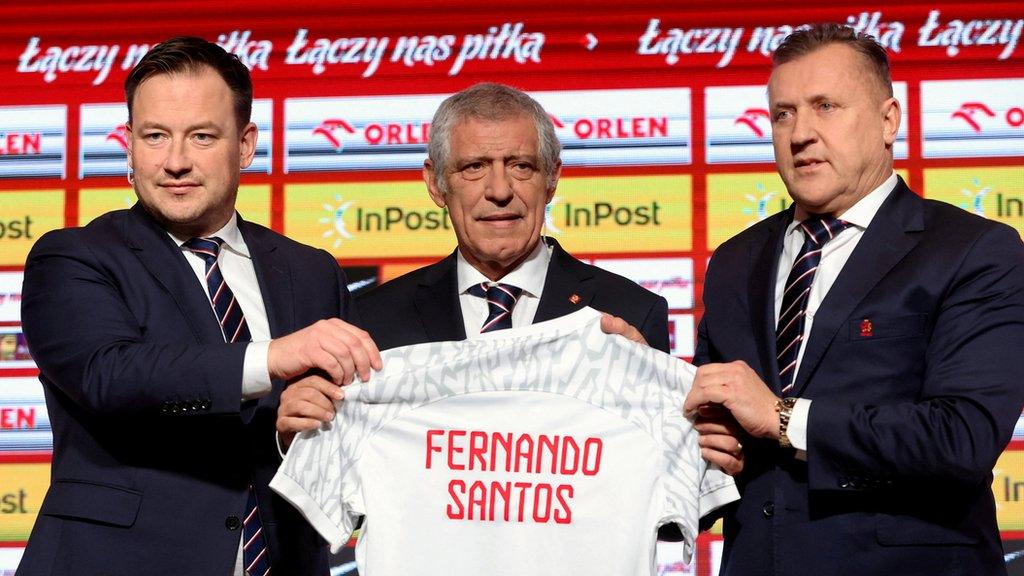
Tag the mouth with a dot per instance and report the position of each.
(499, 218)
(807, 164)
(179, 187)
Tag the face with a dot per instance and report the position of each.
(832, 128)
(497, 191)
(186, 151)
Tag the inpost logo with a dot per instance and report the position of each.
(24, 217)
(20, 498)
(738, 201)
(377, 219)
(995, 193)
(622, 214)
(1008, 490)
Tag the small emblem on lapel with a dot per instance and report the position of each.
(575, 298)
(866, 329)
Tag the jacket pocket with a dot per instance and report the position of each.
(112, 505)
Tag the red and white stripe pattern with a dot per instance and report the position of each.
(789, 331)
(501, 299)
(222, 299)
(254, 546)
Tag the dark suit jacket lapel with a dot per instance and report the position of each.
(765, 250)
(568, 285)
(437, 302)
(163, 259)
(273, 273)
(891, 234)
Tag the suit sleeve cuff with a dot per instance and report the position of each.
(255, 374)
(797, 429)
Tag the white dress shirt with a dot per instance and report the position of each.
(237, 269)
(529, 276)
(833, 257)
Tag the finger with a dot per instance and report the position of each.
(303, 408)
(317, 383)
(292, 424)
(705, 428)
(615, 325)
(308, 395)
(729, 464)
(357, 337)
(722, 443)
(323, 360)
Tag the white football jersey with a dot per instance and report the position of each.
(552, 448)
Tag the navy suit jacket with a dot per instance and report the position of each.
(423, 305)
(908, 416)
(152, 451)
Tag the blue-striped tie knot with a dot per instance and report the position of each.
(501, 298)
(206, 248)
(225, 306)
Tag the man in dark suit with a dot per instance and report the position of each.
(163, 335)
(493, 162)
(866, 340)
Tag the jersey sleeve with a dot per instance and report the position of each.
(318, 476)
(692, 487)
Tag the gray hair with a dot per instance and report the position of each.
(493, 103)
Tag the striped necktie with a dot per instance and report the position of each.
(225, 306)
(501, 298)
(789, 331)
(233, 326)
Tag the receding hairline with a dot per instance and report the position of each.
(866, 66)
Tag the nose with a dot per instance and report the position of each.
(804, 131)
(178, 161)
(498, 188)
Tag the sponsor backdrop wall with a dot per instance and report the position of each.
(660, 106)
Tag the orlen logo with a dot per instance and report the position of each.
(120, 135)
(614, 128)
(977, 113)
(20, 143)
(384, 219)
(751, 118)
(17, 418)
(375, 133)
(327, 130)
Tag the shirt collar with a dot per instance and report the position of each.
(229, 233)
(863, 212)
(529, 275)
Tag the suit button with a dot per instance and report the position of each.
(232, 523)
(204, 405)
(768, 509)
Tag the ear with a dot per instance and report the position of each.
(429, 178)
(247, 144)
(128, 144)
(891, 118)
(554, 181)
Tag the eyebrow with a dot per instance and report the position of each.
(208, 126)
